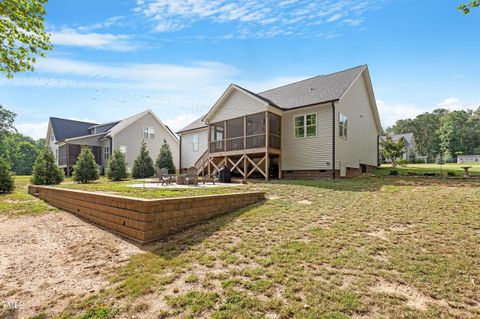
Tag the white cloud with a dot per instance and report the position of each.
(180, 121)
(257, 18)
(390, 113)
(34, 130)
(101, 41)
(112, 21)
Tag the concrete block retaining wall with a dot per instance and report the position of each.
(140, 219)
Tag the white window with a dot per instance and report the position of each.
(123, 150)
(106, 152)
(306, 125)
(195, 142)
(342, 125)
(148, 132)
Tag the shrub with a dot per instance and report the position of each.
(117, 166)
(85, 169)
(451, 174)
(393, 173)
(143, 165)
(45, 171)
(6, 179)
(165, 158)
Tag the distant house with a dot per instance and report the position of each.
(468, 158)
(410, 145)
(322, 127)
(67, 137)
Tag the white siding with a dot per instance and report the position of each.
(50, 140)
(309, 153)
(237, 104)
(189, 156)
(132, 137)
(360, 146)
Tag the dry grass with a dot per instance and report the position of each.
(363, 248)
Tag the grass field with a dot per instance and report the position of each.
(420, 169)
(357, 248)
(123, 189)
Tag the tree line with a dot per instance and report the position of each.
(443, 133)
(18, 150)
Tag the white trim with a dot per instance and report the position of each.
(225, 94)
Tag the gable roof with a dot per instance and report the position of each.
(316, 90)
(409, 138)
(129, 120)
(195, 125)
(64, 128)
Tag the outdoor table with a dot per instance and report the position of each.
(466, 168)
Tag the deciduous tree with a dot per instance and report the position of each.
(22, 34)
(466, 7)
(393, 150)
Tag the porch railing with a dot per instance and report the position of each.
(251, 141)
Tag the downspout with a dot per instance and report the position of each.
(378, 150)
(333, 139)
(180, 155)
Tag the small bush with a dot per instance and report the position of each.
(117, 167)
(143, 165)
(45, 171)
(6, 179)
(85, 169)
(165, 158)
(393, 173)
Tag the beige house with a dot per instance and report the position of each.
(67, 137)
(322, 127)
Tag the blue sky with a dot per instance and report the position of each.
(115, 58)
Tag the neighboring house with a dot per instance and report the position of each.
(67, 137)
(468, 158)
(410, 145)
(322, 127)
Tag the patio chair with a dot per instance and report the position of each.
(212, 178)
(164, 177)
(191, 178)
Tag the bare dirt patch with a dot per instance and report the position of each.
(47, 261)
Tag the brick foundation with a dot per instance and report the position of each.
(324, 174)
(140, 219)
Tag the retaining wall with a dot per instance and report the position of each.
(140, 219)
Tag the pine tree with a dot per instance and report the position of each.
(117, 167)
(85, 169)
(165, 158)
(6, 179)
(45, 171)
(143, 165)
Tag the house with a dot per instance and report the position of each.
(322, 127)
(67, 137)
(410, 145)
(468, 158)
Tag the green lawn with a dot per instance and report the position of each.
(123, 189)
(355, 248)
(20, 203)
(359, 248)
(420, 169)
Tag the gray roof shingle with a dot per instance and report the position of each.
(63, 128)
(316, 90)
(198, 123)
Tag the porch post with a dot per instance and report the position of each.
(68, 159)
(225, 141)
(208, 148)
(245, 166)
(267, 145)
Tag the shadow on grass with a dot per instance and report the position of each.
(372, 184)
(180, 242)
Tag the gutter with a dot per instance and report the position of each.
(333, 139)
